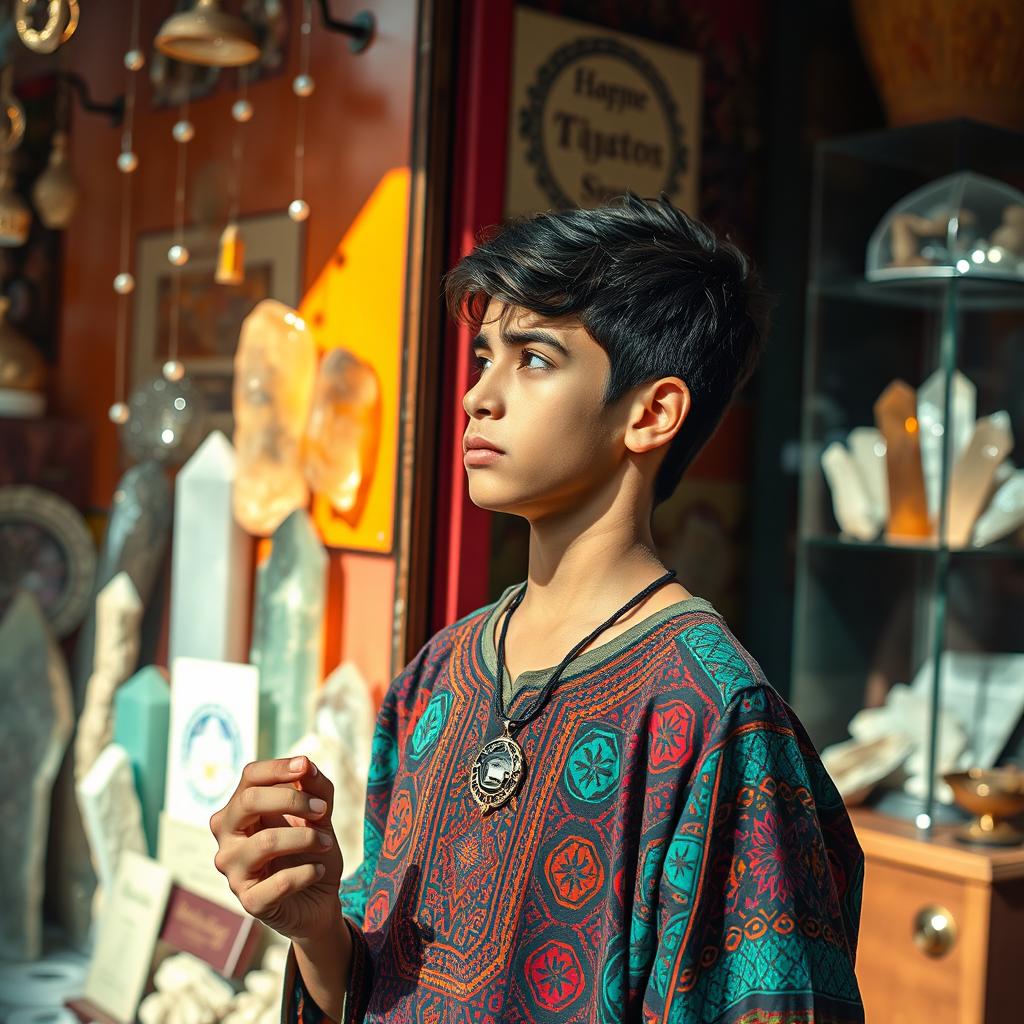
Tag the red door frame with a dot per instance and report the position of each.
(463, 534)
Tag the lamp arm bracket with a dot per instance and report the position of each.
(360, 28)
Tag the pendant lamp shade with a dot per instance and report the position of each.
(207, 35)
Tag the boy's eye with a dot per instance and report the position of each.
(527, 355)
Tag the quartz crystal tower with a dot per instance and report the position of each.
(287, 635)
(211, 560)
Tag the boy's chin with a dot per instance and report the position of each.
(492, 500)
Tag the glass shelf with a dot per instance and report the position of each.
(839, 543)
(924, 293)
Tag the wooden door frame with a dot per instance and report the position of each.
(458, 186)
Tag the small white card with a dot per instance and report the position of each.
(133, 912)
(214, 722)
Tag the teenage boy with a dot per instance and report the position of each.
(586, 802)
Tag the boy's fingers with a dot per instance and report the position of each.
(254, 853)
(315, 783)
(247, 806)
(262, 897)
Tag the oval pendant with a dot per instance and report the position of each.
(496, 772)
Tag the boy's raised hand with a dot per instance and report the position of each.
(277, 848)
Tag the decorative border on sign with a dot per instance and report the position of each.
(531, 116)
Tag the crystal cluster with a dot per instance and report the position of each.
(889, 480)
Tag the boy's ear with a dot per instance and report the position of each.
(658, 413)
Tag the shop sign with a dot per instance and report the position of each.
(596, 112)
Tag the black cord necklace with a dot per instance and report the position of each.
(498, 769)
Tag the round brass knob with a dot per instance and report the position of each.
(934, 930)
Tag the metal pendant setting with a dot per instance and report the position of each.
(496, 772)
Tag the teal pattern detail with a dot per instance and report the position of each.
(383, 758)
(783, 963)
(666, 958)
(592, 769)
(613, 990)
(429, 727)
(718, 656)
(355, 889)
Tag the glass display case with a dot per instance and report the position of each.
(908, 660)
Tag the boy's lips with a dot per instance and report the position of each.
(480, 452)
(476, 442)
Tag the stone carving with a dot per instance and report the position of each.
(136, 543)
(111, 814)
(34, 732)
(118, 616)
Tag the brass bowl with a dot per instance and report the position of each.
(993, 795)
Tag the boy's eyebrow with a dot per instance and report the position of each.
(510, 338)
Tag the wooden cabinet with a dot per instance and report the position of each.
(941, 927)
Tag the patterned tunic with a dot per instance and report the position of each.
(676, 853)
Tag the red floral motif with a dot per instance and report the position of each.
(773, 858)
(555, 975)
(377, 911)
(574, 871)
(671, 735)
(399, 824)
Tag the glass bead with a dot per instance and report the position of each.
(118, 413)
(183, 131)
(127, 161)
(241, 111)
(298, 209)
(124, 283)
(173, 370)
(303, 85)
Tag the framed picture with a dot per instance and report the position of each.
(209, 314)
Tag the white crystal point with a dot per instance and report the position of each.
(867, 448)
(850, 502)
(1005, 512)
(111, 812)
(971, 483)
(34, 732)
(931, 396)
(211, 559)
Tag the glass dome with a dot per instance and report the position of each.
(963, 225)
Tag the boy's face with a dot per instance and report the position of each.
(542, 407)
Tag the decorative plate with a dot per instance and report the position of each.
(46, 549)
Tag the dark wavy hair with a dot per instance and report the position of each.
(655, 288)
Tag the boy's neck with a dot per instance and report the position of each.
(591, 578)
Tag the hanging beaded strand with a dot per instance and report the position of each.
(183, 133)
(302, 86)
(127, 163)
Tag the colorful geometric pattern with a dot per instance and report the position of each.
(676, 852)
